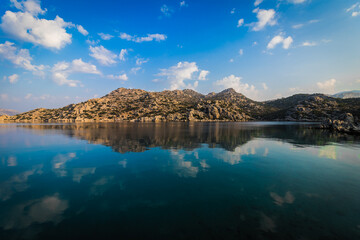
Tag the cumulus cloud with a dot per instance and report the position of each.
(82, 30)
(257, 2)
(27, 26)
(265, 18)
(13, 78)
(103, 55)
(105, 36)
(327, 86)
(240, 22)
(167, 11)
(183, 4)
(354, 9)
(19, 57)
(235, 82)
(135, 70)
(203, 74)
(141, 61)
(181, 72)
(308, 44)
(148, 38)
(265, 86)
(62, 70)
(122, 54)
(279, 39)
(122, 77)
(31, 6)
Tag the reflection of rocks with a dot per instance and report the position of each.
(47, 209)
(138, 137)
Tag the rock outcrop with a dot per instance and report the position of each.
(136, 105)
(344, 123)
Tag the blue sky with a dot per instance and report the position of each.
(53, 53)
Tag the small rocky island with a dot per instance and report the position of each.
(137, 105)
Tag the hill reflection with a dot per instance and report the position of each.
(138, 137)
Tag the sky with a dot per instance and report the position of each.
(57, 52)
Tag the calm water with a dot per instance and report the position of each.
(178, 181)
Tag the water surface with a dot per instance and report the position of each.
(178, 181)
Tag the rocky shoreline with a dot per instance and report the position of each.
(345, 123)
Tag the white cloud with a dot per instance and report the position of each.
(135, 70)
(82, 30)
(300, 25)
(28, 96)
(296, 1)
(13, 78)
(308, 44)
(232, 11)
(105, 36)
(297, 26)
(92, 42)
(167, 11)
(265, 86)
(235, 82)
(104, 56)
(181, 72)
(19, 57)
(122, 77)
(31, 6)
(203, 74)
(141, 61)
(257, 2)
(183, 4)
(286, 42)
(62, 70)
(240, 22)
(122, 54)
(355, 9)
(79, 66)
(265, 18)
(231, 60)
(241, 52)
(327, 86)
(27, 26)
(150, 37)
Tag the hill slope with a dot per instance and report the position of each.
(9, 112)
(187, 105)
(348, 94)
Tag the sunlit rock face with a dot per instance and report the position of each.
(137, 105)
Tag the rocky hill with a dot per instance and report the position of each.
(187, 105)
(347, 94)
(9, 112)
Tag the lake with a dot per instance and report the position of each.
(178, 181)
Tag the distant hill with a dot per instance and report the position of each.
(8, 112)
(347, 94)
(187, 105)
